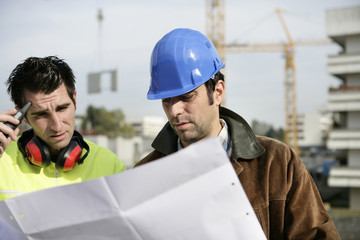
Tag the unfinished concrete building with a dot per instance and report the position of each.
(343, 26)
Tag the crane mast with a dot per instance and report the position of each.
(291, 131)
(215, 28)
(215, 25)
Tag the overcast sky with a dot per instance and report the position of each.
(130, 29)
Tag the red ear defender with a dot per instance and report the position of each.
(69, 156)
(36, 153)
(35, 150)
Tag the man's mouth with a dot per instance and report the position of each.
(181, 125)
(58, 136)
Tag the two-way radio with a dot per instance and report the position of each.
(19, 115)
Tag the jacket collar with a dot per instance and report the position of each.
(245, 143)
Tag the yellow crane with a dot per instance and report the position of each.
(215, 24)
(215, 27)
(290, 89)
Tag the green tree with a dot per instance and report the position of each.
(109, 123)
(265, 129)
(277, 134)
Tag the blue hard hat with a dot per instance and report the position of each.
(181, 61)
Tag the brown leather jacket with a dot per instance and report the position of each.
(277, 183)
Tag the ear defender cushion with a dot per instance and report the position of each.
(69, 156)
(37, 152)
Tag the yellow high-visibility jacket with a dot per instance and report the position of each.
(18, 175)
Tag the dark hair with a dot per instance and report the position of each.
(211, 83)
(43, 75)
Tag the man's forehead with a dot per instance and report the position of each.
(190, 92)
(59, 95)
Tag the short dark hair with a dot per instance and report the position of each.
(43, 75)
(211, 83)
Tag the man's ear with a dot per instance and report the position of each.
(219, 92)
(74, 96)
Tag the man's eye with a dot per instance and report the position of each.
(62, 108)
(186, 98)
(40, 114)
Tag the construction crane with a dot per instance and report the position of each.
(215, 25)
(290, 89)
(215, 30)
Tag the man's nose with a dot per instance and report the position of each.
(55, 122)
(176, 107)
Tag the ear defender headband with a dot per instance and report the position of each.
(35, 150)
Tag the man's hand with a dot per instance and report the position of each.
(7, 134)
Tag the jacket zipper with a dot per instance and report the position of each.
(56, 176)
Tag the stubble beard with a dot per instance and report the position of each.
(192, 134)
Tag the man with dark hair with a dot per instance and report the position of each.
(52, 152)
(185, 75)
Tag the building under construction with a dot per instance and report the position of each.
(343, 26)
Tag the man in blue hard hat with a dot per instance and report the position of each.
(185, 75)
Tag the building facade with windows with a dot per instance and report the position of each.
(343, 27)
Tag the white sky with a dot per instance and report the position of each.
(130, 29)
